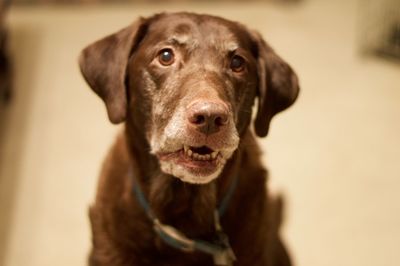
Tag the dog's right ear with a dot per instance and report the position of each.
(103, 65)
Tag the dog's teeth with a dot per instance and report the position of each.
(200, 157)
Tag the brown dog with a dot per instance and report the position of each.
(184, 84)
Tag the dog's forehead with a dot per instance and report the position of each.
(193, 30)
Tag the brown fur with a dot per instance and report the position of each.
(122, 233)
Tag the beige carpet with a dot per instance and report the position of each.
(335, 154)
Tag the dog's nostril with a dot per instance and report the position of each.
(208, 117)
(221, 120)
(199, 119)
(217, 120)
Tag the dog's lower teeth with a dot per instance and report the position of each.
(201, 157)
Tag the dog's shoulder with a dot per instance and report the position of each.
(114, 172)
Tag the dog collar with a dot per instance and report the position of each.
(220, 249)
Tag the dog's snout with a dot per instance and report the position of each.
(208, 117)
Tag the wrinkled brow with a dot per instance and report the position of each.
(231, 46)
(187, 35)
(182, 34)
(179, 39)
(185, 40)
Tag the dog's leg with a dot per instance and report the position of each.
(92, 259)
(280, 253)
(98, 241)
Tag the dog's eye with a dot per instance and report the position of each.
(237, 63)
(166, 57)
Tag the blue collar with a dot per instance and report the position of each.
(220, 249)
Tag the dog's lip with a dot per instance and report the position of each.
(195, 153)
(199, 159)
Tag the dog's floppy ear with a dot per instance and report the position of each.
(278, 86)
(103, 65)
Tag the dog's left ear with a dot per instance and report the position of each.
(103, 65)
(278, 85)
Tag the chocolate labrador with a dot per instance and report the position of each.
(184, 183)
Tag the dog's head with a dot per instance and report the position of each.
(189, 81)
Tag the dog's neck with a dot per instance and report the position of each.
(188, 207)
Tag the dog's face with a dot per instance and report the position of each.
(189, 81)
(198, 78)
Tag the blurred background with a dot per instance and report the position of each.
(335, 154)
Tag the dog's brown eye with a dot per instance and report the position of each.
(166, 57)
(237, 63)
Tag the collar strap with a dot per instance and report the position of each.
(220, 249)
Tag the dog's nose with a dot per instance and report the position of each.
(208, 117)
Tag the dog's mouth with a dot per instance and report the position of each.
(194, 158)
(202, 153)
(201, 161)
